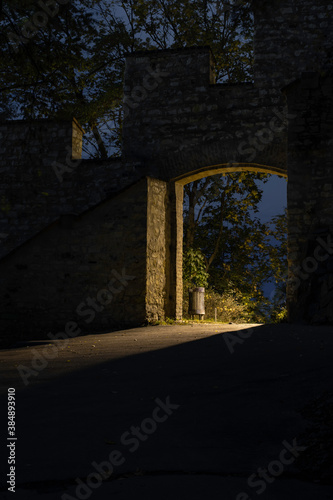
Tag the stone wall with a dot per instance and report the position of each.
(291, 37)
(158, 241)
(310, 198)
(180, 126)
(38, 142)
(178, 121)
(90, 269)
(77, 135)
(175, 213)
(99, 243)
(48, 178)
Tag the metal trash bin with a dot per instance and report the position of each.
(196, 302)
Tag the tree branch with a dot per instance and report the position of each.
(217, 243)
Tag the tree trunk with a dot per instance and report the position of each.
(99, 140)
(217, 243)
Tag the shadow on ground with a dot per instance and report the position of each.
(226, 413)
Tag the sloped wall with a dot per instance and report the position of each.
(90, 270)
(42, 177)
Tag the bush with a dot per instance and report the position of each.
(230, 306)
(279, 315)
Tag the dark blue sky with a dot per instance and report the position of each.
(274, 202)
(274, 199)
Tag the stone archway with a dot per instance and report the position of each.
(176, 188)
(179, 125)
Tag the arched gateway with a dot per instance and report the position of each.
(93, 244)
(180, 126)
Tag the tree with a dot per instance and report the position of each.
(241, 253)
(51, 64)
(227, 27)
(64, 58)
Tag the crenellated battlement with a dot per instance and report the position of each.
(39, 142)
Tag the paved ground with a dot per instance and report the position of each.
(173, 412)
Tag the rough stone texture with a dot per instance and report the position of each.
(70, 271)
(179, 126)
(185, 123)
(158, 240)
(291, 37)
(37, 142)
(43, 177)
(310, 198)
(176, 196)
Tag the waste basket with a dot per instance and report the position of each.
(196, 303)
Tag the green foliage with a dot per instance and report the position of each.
(279, 316)
(278, 312)
(241, 252)
(278, 253)
(57, 70)
(231, 306)
(73, 64)
(226, 28)
(194, 273)
(166, 321)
